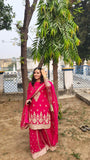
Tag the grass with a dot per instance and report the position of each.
(5, 153)
(70, 113)
(63, 134)
(76, 155)
(9, 100)
(73, 132)
(83, 112)
(60, 113)
(86, 121)
(69, 120)
(65, 111)
(81, 117)
(75, 112)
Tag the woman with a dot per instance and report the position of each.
(40, 114)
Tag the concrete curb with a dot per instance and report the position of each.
(84, 96)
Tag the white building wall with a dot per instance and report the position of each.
(30, 64)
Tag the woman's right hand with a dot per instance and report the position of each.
(44, 73)
(28, 101)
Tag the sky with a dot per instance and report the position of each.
(8, 45)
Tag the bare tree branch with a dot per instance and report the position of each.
(29, 12)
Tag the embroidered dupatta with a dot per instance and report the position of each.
(53, 103)
(54, 114)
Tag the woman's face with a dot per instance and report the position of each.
(37, 74)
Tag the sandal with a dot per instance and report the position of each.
(83, 128)
(87, 127)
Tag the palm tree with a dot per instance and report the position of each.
(56, 35)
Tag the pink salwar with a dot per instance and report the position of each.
(40, 142)
(42, 122)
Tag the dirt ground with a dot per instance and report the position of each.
(73, 143)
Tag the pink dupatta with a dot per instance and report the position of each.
(54, 114)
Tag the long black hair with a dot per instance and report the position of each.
(41, 78)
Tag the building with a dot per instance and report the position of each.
(30, 64)
(4, 63)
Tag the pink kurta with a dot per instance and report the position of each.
(39, 110)
(43, 123)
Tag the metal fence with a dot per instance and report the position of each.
(81, 79)
(12, 82)
(83, 69)
(60, 80)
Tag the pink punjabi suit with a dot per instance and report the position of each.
(42, 117)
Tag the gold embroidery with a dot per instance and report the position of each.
(34, 118)
(37, 96)
(39, 126)
(51, 106)
(37, 90)
(47, 84)
(40, 153)
(39, 120)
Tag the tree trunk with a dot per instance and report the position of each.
(55, 77)
(48, 70)
(41, 62)
(24, 64)
(24, 37)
